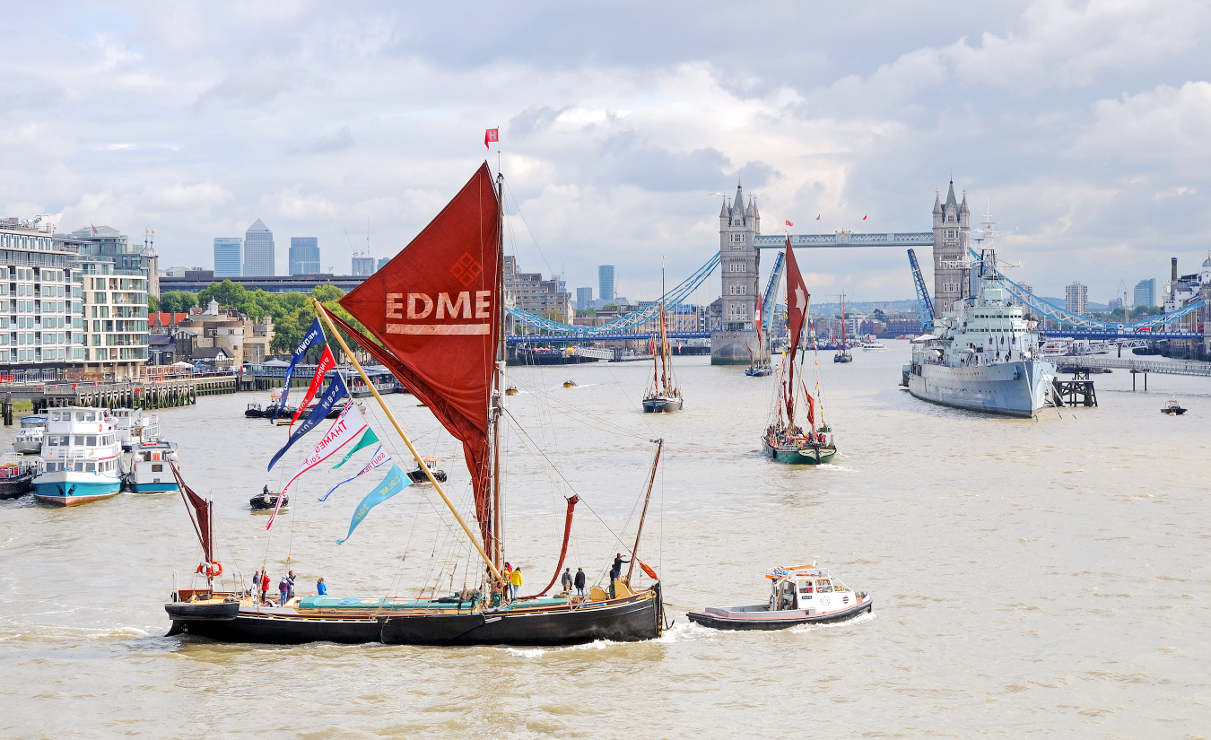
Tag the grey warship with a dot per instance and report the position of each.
(982, 354)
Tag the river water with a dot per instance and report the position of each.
(1046, 576)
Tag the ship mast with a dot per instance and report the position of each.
(496, 524)
(664, 341)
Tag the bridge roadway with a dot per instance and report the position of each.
(841, 239)
(604, 337)
(1167, 367)
(1155, 336)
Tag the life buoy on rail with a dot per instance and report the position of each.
(212, 570)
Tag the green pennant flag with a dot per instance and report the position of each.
(368, 438)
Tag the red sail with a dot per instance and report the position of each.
(434, 308)
(199, 514)
(797, 301)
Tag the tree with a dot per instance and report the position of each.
(178, 301)
(227, 293)
(153, 304)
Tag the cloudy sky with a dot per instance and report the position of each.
(1084, 125)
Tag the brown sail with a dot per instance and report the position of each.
(434, 308)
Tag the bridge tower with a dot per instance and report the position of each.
(740, 265)
(951, 229)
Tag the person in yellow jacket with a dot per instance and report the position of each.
(515, 582)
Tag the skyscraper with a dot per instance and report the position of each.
(1145, 292)
(584, 297)
(363, 266)
(1076, 298)
(605, 282)
(304, 255)
(258, 250)
(227, 256)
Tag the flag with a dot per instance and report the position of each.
(818, 216)
(490, 135)
(336, 391)
(864, 217)
(94, 228)
(790, 223)
(395, 482)
(346, 427)
(327, 362)
(367, 439)
(315, 332)
(380, 457)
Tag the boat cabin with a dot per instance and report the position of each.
(807, 588)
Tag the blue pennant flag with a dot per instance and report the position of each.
(395, 482)
(380, 457)
(313, 335)
(336, 391)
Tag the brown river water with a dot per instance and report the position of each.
(1048, 576)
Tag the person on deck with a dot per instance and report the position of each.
(565, 581)
(515, 582)
(256, 582)
(265, 490)
(579, 581)
(264, 584)
(616, 571)
(284, 591)
(507, 573)
(321, 588)
(290, 580)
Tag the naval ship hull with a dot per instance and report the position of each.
(1011, 389)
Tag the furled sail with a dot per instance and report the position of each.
(434, 307)
(199, 510)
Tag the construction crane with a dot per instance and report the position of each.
(924, 304)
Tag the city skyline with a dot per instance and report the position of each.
(1075, 123)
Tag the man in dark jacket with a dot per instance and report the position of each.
(579, 581)
(565, 581)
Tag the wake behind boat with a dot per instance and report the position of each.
(452, 361)
(801, 594)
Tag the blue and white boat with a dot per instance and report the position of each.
(29, 439)
(150, 467)
(983, 354)
(134, 427)
(79, 457)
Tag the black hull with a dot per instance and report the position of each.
(624, 620)
(725, 623)
(206, 611)
(418, 476)
(15, 487)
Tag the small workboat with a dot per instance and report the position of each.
(569, 383)
(802, 594)
(758, 371)
(29, 438)
(149, 467)
(418, 476)
(16, 478)
(511, 390)
(1173, 408)
(254, 411)
(266, 501)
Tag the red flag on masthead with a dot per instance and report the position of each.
(790, 223)
(863, 217)
(491, 135)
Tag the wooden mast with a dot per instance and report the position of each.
(496, 524)
(643, 515)
(323, 314)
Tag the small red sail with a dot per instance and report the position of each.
(199, 514)
(434, 308)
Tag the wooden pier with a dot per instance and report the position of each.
(145, 393)
(1076, 392)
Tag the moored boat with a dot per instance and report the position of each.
(150, 470)
(17, 478)
(133, 427)
(79, 457)
(254, 411)
(267, 501)
(29, 437)
(801, 594)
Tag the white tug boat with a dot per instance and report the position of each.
(150, 470)
(800, 594)
(79, 457)
(29, 438)
(133, 427)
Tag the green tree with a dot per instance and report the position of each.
(178, 301)
(227, 293)
(153, 304)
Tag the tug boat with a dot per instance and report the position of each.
(801, 594)
(16, 478)
(419, 476)
(149, 467)
(29, 437)
(79, 458)
(1173, 408)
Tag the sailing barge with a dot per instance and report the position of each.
(457, 260)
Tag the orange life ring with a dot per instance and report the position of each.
(212, 570)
